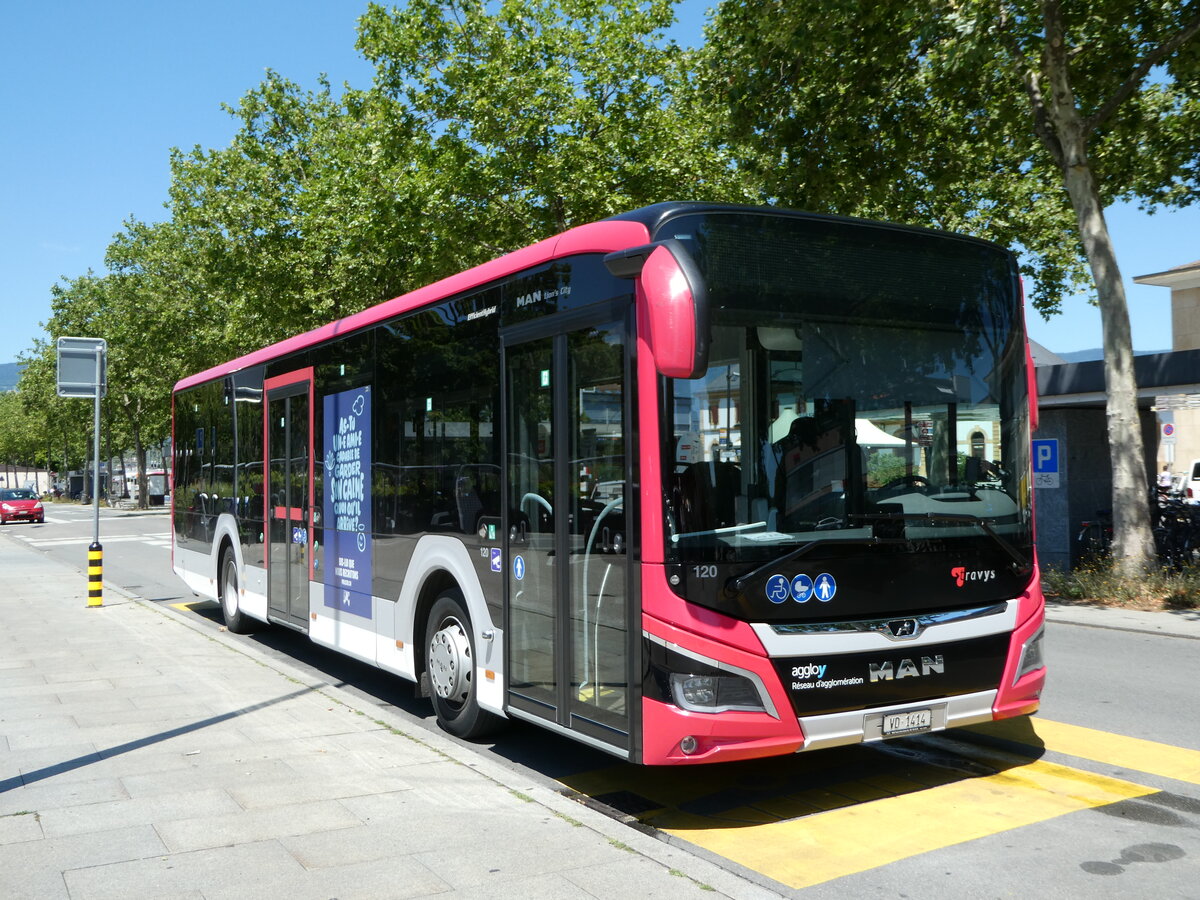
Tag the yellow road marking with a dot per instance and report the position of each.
(186, 607)
(1130, 753)
(823, 846)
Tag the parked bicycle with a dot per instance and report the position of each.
(1176, 527)
(1095, 536)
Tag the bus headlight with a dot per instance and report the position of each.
(696, 683)
(1031, 655)
(714, 693)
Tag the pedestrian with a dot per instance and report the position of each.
(1164, 479)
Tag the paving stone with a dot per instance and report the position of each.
(18, 827)
(184, 711)
(34, 869)
(22, 677)
(196, 773)
(652, 880)
(70, 733)
(50, 794)
(258, 795)
(256, 825)
(393, 878)
(93, 702)
(46, 761)
(254, 870)
(41, 689)
(15, 706)
(195, 737)
(515, 847)
(552, 886)
(141, 811)
(37, 722)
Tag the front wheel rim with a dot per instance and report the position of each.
(450, 662)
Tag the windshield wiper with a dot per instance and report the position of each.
(1020, 563)
(738, 582)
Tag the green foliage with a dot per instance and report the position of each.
(542, 114)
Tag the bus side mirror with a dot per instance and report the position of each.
(676, 304)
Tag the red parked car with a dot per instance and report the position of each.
(18, 505)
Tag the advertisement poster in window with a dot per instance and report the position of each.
(346, 510)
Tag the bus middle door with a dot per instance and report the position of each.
(288, 463)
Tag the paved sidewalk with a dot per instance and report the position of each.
(1177, 623)
(141, 756)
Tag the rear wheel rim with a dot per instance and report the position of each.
(229, 594)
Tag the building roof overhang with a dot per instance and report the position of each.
(1178, 278)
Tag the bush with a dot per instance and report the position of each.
(1096, 582)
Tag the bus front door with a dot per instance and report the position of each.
(569, 617)
(288, 455)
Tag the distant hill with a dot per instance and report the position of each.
(1078, 356)
(9, 373)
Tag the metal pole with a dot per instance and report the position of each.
(96, 453)
(95, 551)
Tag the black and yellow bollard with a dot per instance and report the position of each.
(95, 575)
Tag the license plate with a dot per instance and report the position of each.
(912, 722)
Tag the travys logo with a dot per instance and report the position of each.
(961, 575)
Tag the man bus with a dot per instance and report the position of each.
(693, 483)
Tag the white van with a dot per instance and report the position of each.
(1191, 484)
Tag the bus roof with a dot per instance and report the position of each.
(617, 232)
(604, 236)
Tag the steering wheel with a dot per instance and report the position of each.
(916, 482)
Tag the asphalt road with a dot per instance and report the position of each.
(1099, 795)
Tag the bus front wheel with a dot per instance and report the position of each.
(450, 664)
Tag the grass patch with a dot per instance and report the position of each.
(1096, 583)
(574, 823)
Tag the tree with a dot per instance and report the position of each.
(1016, 120)
(19, 432)
(542, 114)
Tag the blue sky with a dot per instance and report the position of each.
(99, 92)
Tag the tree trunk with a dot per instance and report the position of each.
(1133, 542)
(143, 487)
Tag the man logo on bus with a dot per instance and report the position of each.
(961, 576)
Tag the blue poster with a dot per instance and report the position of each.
(346, 509)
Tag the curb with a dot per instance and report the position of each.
(1168, 623)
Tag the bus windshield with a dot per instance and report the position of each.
(865, 385)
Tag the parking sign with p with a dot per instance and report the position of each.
(1045, 463)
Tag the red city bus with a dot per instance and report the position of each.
(690, 484)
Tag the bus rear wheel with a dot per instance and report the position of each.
(450, 665)
(235, 620)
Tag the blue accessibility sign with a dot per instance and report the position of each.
(777, 588)
(802, 588)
